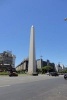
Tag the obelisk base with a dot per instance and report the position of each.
(35, 74)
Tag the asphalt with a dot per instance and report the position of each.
(33, 88)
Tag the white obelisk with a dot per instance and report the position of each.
(32, 58)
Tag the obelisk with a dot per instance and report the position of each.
(32, 57)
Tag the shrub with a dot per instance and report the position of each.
(21, 72)
(3, 73)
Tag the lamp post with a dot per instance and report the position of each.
(41, 57)
(65, 19)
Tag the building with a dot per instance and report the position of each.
(7, 60)
(59, 67)
(23, 66)
(41, 63)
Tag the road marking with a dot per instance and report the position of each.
(4, 85)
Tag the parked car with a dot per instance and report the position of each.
(53, 74)
(47, 73)
(65, 76)
(13, 74)
(61, 73)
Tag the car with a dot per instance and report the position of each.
(47, 73)
(61, 73)
(65, 76)
(53, 74)
(13, 74)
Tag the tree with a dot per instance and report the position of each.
(44, 70)
(47, 69)
(39, 70)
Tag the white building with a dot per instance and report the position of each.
(59, 67)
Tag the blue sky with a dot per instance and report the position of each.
(47, 16)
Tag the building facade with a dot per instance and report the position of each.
(23, 66)
(59, 67)
(7, 60)
(41, 63)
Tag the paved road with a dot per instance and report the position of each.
(33, 88)
(6, 80)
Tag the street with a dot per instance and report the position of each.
(40, 87)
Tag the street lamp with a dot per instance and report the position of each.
(65, 19)
(41, 57)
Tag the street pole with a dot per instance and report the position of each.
(65, 19)
(41, 57)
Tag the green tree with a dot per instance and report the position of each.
(44, 70)
(39, 70)
(47, 69)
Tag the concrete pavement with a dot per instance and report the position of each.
(34, 88)
(6, 80)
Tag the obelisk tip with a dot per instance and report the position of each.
(32, 26)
